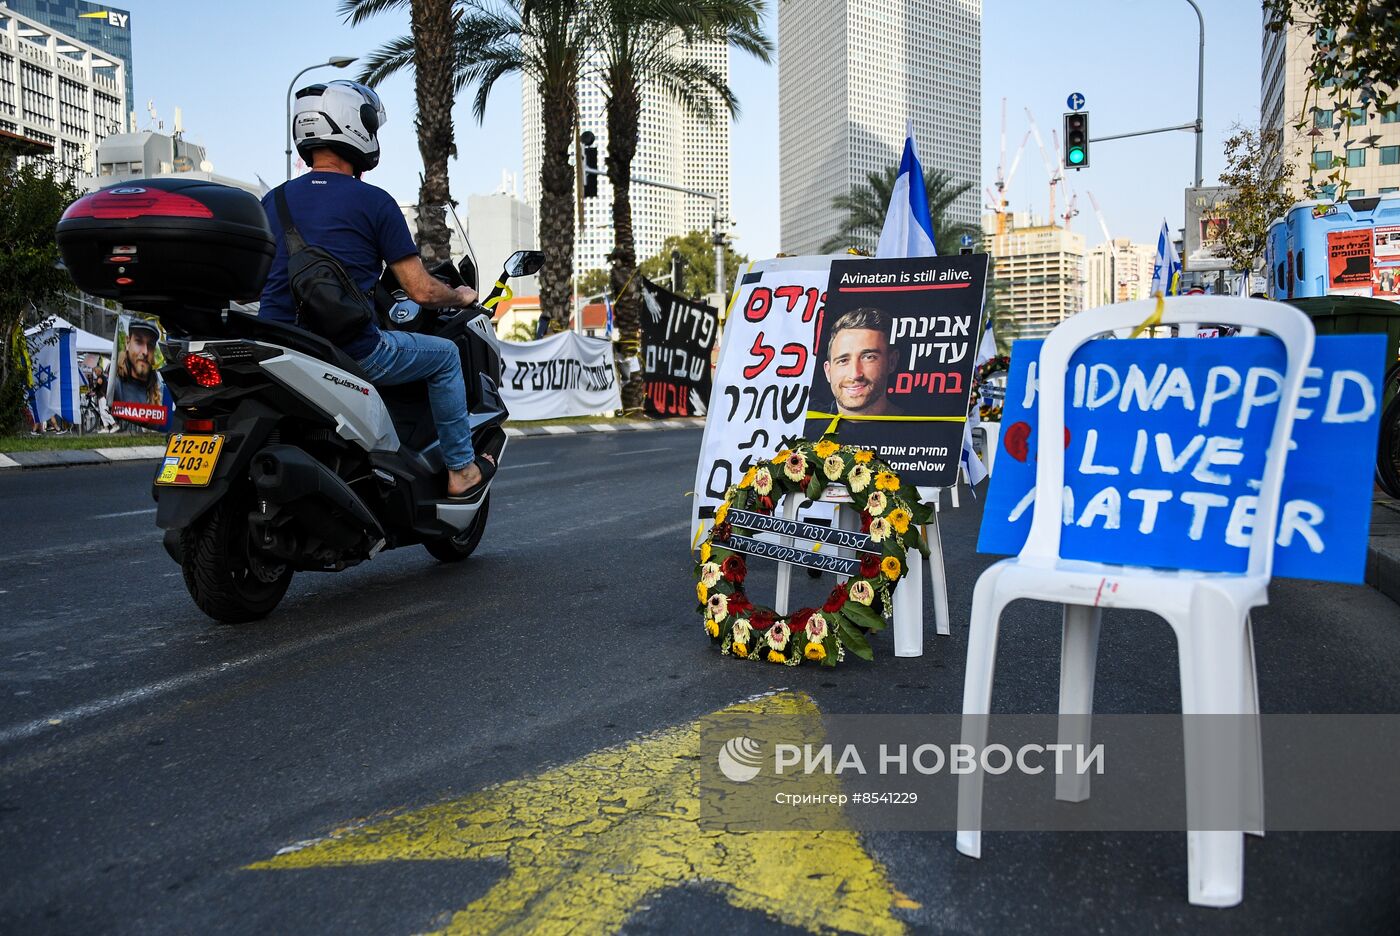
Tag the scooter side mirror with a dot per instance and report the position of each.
(524, 262)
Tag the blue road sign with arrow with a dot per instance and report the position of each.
(1075, 101)
(965, 240)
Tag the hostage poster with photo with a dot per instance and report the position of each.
(1349, 262)
(1165, 446)
(135, 391)
(678, 336)
(894, 352)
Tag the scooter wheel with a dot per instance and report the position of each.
(226, 582)
(456, 548)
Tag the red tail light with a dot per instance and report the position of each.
(199, 425)
(204, 368)
(134, 201)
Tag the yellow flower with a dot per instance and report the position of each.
(864, 455)
(900, 518)
(702, 592)
(815, 651)
(739, 650)
(782, 456)
(826, 448)
(711, 628)
(721, 512)
(747, 480)
(833, 467)
(891, 567)
(859, 478)
(776, 657)
(705, 551)
(887, 481)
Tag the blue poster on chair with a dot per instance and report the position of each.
(1166, 444)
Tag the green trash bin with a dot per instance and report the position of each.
(1357, 315)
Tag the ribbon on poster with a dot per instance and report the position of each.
(1166, 441)
(678, 336)
(563, 375)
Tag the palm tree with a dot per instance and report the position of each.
(645, 44)
(863, 210)
(431, 22)
(544, 41)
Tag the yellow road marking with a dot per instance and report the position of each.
(589, 842)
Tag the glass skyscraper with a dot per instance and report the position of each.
(102, 27)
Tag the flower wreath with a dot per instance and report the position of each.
(989, 412)
(891, 514)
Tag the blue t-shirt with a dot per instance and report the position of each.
(358, 223)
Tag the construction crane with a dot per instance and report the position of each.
(1070, 210)
(997, 200)
(1052, 168)
(1112, 250)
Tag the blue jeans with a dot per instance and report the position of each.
(404, 357)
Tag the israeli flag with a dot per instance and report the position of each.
(987, 349)
(1166, 267)
(54, 374)
(908, 230)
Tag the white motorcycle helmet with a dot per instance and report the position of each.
(343, 116)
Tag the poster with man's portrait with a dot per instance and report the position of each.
(895, 345)
(135, 391)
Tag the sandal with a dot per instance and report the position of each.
(487, 464)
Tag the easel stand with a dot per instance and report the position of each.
(909, 597)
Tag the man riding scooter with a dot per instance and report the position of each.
(336, 126)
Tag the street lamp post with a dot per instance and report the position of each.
(1200, 92)
(335, 61)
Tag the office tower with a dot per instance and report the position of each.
(851, 73)
(58, 91)
(675, 147)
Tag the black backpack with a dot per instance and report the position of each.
(328, 301)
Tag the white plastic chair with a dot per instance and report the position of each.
(1208, 611)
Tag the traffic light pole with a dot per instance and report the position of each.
(1199, 124)
(716, 234)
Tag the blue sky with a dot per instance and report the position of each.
(227, 66)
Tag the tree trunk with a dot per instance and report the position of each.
(432, 62)
(624, 115)
(559, 107)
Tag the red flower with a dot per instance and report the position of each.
(762, 620)
(833, 603)
(865, 520)
(739, 604)
(800, 619)
(734, 569)
(721, 532)
(869, 566)
(766, 503)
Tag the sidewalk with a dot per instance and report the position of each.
(102, 456)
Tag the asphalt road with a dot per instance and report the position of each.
(148, 756)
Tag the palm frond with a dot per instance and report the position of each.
(393, 56)
(355, 12)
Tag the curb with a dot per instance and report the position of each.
(63, 458)
(1383, 552)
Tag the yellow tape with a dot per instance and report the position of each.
(506, 293)
(1152, 320)
(831, 429)
(834, 417)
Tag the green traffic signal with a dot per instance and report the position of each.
(1076, 156)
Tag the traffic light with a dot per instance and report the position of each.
(590, 165)
(1077, 140)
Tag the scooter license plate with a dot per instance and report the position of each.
(190, 460)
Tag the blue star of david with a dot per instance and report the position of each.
(44, 377)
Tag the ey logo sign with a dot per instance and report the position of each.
(113, 18)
